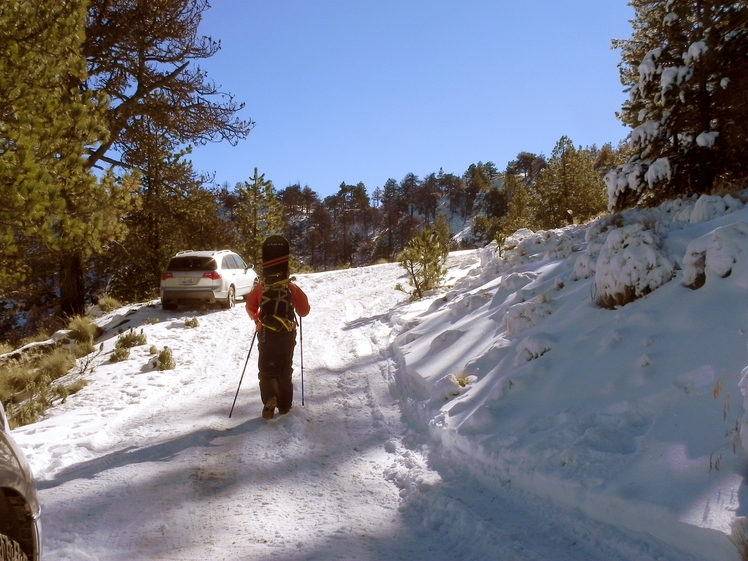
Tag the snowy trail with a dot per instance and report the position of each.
(308, 485)
(153, 468)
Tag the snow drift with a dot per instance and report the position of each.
(633, 414)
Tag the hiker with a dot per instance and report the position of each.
(271, 305)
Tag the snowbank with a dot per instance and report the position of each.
(631, 414)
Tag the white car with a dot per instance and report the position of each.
(20, 522)
(205, 276)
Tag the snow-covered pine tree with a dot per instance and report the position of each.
(686, 70)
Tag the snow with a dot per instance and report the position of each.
(674, 76)
(648, 66)
(707, 139)
(644, 132)
(504, 417)
(695, 50)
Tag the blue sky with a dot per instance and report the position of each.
(363, 90)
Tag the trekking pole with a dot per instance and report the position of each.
(243, 370)
(301, 340)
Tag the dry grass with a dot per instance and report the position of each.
(63, 391)
(739, 538)
(56, 364)
(27, 384)
(612, 301)
(14, 379)
(28, 381)
(108, 304)
(83, 330)
(464, 379)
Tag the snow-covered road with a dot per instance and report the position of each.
(144, 464)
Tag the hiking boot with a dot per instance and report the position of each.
(284, 410)
(269, 410)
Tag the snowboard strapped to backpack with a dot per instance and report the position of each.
(276, 310)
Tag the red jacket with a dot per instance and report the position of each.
(254, 299)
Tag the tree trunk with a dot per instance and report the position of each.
(72, 285)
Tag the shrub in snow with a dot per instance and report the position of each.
(515, 281)
(631, 264)
(165, 360)
(446, 387)
(709, 207)
(120, 354)
(584, 267)
(713, 254)
(524, 315)
(475, 301)
(644, 361)
(130, 339)
(597, 234)
(533, 347)
(191, 322)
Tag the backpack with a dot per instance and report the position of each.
(276, 310)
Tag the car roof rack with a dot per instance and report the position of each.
(205, 251)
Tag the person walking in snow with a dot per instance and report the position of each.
(273, 305)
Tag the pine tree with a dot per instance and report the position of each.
(393, 208)
(424, 260)
(527, 166)
(46, 122)
(409, 191)
(523, 207)
(443, 231)
(321, 234)
(175, 212)
(569, 189)
(139, 54)
(479, 178)
(686, 70)
(430, 195)
(259, 215)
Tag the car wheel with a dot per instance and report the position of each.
(230, 299)
(10, 550)
(166, 306)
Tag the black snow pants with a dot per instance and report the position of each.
(275, 368)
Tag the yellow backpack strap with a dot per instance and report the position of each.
(285, 323)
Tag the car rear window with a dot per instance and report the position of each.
(192, 264)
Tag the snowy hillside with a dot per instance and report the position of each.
(505, 417)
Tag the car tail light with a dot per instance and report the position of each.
(213, 275)
(166, 276)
